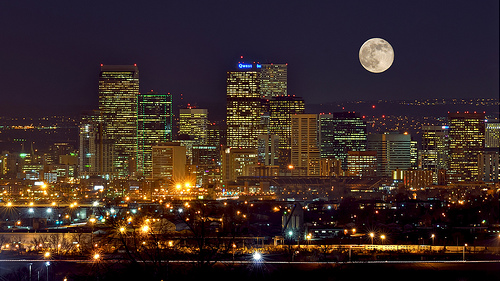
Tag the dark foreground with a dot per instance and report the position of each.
(82, 271)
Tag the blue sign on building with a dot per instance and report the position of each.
(248, 66)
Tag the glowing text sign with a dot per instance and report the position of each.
(248, 66)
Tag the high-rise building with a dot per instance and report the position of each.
(435, 147)
(193, 122)
(169, 162)
(466, 144)
(393, 152)
(341, 132)
(154, 126)
(305, 145)
(268, 150)
(206, 159)
(118, 91)
(244, 108)
(492, 134)
(89, 136)
(237, 162)
(281, 110)
(362, 163)
(274, 80)
(489, 165)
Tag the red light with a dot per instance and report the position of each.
(383, 116)
(364, 117)
(373, 106)
(102, 64)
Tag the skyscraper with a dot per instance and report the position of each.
(341, 132)
(467, 136)
(274, 80)
(193, 122)
(393, 152)
(281, 110)
(89, 136)
(118, 91)
(244, 108)
(492, 134)
(268, 150)
(435, 148)
(305, 145)
(154, 126)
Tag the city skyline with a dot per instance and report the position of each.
(54, 51)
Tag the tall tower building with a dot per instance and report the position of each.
(341, 132)
(393, 152)
(268, 150)
(89, 136)
(492, 134)
(467, 136)
(305, 145)
(118, 91)
(193, 122)
(154, 126)
(281, 110)
(244, 108)
(435, 148)
(274, 80)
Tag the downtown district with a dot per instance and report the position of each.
(268, 175)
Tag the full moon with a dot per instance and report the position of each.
(376, 55)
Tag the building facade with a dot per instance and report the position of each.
(244, 108)
(467, 136)
(393, 152)
(154, 126)
(118, 91)
(435, 149)
(305, 154)
(274, 80)
(281, 110)
(193, 122)
(341, 132)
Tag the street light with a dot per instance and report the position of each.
(257, 257)
(47, 265)
(383, 238)
(372, 235)
(463, 253)
(432, 236)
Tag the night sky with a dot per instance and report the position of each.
(51, 51)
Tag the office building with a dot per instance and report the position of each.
(489, 166)
(305, 155)
(169, 162)
(193, 122)
(362, 163)
(118, 91)
(393, 152)
(492, 134)
(237, 162)
(244, 108)
(435, 149)
(467, 136)
(274, 80)
(330, 167)
(268, 149)
(89, 136)
(281, 110)
(206, 159)
(154, 126)
(341, 132)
